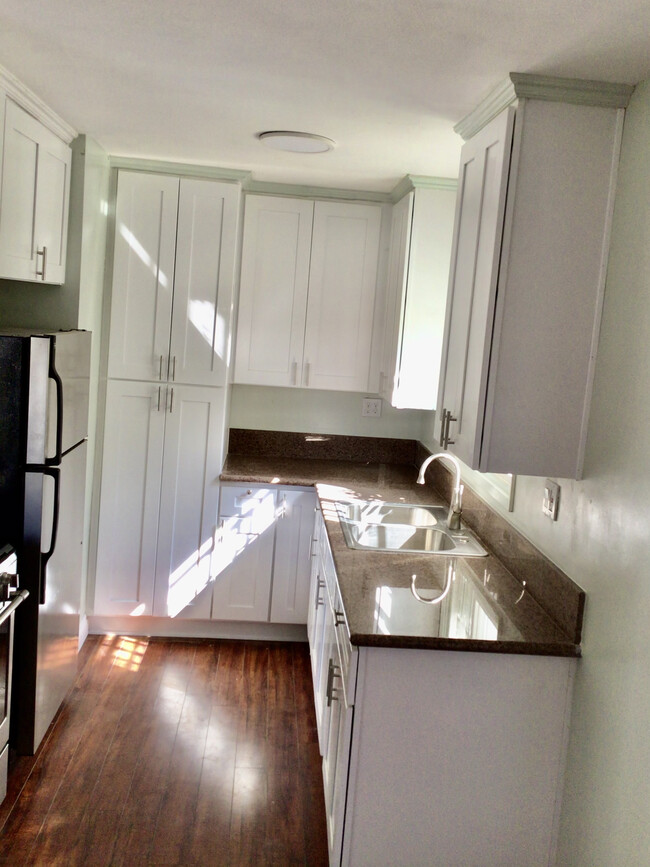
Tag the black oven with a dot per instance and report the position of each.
(10, 599)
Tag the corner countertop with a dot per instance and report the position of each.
(380, 609)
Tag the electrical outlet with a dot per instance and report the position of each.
(551, 499)
(371, 406)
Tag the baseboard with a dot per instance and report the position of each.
(83, 630)
(165, 627)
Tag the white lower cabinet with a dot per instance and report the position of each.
(160, 485)
(433, 758)
(263, 554)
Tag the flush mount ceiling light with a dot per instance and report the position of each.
(296, 142)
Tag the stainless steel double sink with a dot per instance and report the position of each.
(407, 527)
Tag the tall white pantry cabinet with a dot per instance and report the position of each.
(170, 329)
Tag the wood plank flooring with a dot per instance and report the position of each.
(174, 753)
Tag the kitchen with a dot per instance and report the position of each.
(599, 538)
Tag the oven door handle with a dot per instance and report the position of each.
(15, 602)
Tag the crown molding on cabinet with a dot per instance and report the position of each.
(520, 85)
(300, 191)
(20, 93)
(186, 170)
(413, 182)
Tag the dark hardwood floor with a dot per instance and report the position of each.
(171, 752)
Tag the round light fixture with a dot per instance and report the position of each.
(296, 142)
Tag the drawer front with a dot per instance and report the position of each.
(247, 501)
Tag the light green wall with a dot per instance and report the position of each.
(602, 540)
(308, 411)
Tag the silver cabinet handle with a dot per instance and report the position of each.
(160, 366)
(174, 369)
(319, 586)
(43, 253)
(450, 418)
(159, 390)
(339, 618)
(294, 373)
(332, 672)
(443, 420)
(306, 374)
(446, 420)
(171, 401)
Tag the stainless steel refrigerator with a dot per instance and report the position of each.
(44, 381)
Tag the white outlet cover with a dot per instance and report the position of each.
(371, 407)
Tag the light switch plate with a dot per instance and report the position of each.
(551, 499)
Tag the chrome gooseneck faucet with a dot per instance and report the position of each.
(455, 507)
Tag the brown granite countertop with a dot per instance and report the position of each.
(380, 609)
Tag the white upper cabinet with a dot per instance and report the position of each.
(33, 199)
(482, 186)
(173, 276)
(342, 283)
(206, 244)
(307, 293)
(418, 276)
(534, 207)
(143, 275)
(273, 290)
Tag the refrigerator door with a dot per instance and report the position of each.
(70, 365)
(58, 620)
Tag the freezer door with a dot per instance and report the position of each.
(71, 363)
(58, 616)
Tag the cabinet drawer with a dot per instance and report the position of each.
(246, 500)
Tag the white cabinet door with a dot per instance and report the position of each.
(314, 585)
(189, 501)
(400, 234)
(419, 322)
(143, 276)
(51, 213)
(243, 556)
(480, 209)
(339, 761)
(173, 279)
(342, 285)
(34, 200)
(273, 290)
(130, 498)
(292, 560)
(206, 244)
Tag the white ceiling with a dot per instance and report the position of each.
(195, 80)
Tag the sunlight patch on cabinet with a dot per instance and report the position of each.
(142, 254)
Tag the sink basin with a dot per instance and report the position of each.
(370, 512)
(377, 526)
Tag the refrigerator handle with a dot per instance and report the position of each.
(55, 473)
(52, 374)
